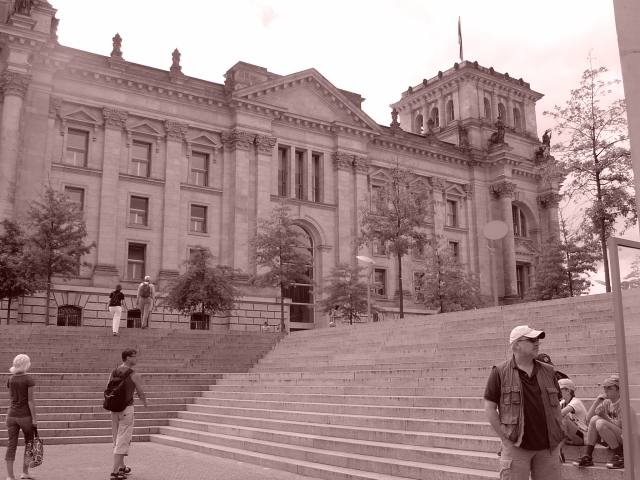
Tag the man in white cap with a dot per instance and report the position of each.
(146, 300)
(522, 406)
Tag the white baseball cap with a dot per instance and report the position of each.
(566, 383)
(524, 331)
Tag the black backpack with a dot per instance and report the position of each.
(115, 395)
(145, 290)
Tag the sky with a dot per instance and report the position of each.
(376, 48)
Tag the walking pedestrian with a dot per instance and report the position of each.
(122, 422)
(21, 414)
(146, 300)
(522, 406)
(115, 307)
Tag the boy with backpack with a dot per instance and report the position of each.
(123, 382)
(146, 299)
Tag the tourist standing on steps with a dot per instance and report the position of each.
(115, 307)
(146, 300)
(122, 422)
(21, 414)
(521, 403)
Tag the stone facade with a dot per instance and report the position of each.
(162, 162)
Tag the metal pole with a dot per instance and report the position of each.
(369, 293)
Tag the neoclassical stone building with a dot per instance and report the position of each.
(161, 162)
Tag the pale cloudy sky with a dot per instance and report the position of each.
(376, 48)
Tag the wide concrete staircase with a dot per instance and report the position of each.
(71, 366)
(400, 399)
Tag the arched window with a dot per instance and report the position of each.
(450, 112)
(517, 121)
(69, 316)
(487, 109)
(435, 117)
(419, 124)
(301, 294)
(519, 221)
(502, 112)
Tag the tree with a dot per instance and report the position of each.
(394, 215)
(56, 239)
(277, 248)
(595, 157)
(203, 288)
(16, 277)
(632, 280)
(346, 289)
(444, 283)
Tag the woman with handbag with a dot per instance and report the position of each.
(21, 414)
(115, 307)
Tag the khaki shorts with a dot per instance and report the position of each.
(122, 427)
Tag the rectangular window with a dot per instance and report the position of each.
(452, 213)
(198, 219)
(522, 277)
(378, 248)
(376, 194)
(77, 147)
(136, 261)
(315, 177)
(380, 280)
(138, 211)
(199, 169)
(76, 195)
(140, 158)
(283, 172)
(455, 249)
(299, 175)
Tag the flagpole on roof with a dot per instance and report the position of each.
(460, 40)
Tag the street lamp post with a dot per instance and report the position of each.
(371, 263)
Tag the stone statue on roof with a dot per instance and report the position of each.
(497, 138)
(175, 66)
(23, 7)
(546, 139)
(117, 46)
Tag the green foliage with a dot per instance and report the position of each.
(444, 283)
(277, 252)
(595, 157)
(395, 215)
(632, 280)
(16, 275)
(346, 289)
(57, 231)
(204, 288)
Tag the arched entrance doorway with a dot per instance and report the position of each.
(301, 294)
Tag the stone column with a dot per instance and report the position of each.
(505, 191)
(494, 107)
(509, 120)
(425, 117)
(240, 145)
(14, 88)
(549, 201)
(441, 113)
(343, 165)
(171, 221)
(480, 95)
(529, 117)
(262, 187)
(105, 272)
(439, 205)
(361, 166)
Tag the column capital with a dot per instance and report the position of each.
(342, 161)
(549, 200)
(503, 189)
(13, 83)
(175, 130)
(438, 183)
(114, 118)
(238, 139)
(265, 144)
(55, 104)
(361, 164)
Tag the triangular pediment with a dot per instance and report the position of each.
(455, 190)
(310, 95)
(204, 140)
(420, 183)
(81, 115)
(524, 247)
(146, 128)
(379, 176)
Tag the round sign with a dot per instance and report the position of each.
(495, 230)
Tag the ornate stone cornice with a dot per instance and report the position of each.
(238, 139)
(264, 144)
(548, 200)
(503, 189)
(175, 130)
(438, 183)
(54, 105)
(342, 161)
(114, 118)
(13, 83)
(361, 164)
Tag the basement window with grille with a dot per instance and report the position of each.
(199, 322)
(134, 320)
(69, 316)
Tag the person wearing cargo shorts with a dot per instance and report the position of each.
(122, 422)
(522, 406)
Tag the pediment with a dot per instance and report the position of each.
(455, 190)
(420, 183)
(80, 115)
(525, 247)
(145, 128)
(203, 140)
(310, 95)
(379, 176)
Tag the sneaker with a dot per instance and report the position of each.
(617, 461)
(126, 470)
(585, 461)
(117, 476)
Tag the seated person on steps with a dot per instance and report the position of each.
(574, 415)
(605, 424)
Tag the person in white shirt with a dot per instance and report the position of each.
(574, 413)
